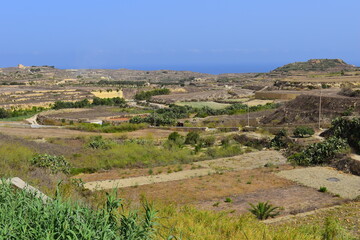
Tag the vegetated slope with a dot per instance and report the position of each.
(305, 109)
(316, 65)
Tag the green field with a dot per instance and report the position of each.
(213, 105)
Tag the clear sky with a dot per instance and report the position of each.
(198, 35)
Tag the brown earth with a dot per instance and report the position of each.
(292, 199)
(208, 187)
(305, 109)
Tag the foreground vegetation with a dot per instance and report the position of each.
(190, 223)
(24, 216)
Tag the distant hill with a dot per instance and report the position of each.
(316, 65)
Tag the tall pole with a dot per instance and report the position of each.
(320, 109)
(248, 116)
(154, 118)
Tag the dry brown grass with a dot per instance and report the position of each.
(208, 187)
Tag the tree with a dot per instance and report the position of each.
(303, 131)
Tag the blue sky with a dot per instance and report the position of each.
(198, 35)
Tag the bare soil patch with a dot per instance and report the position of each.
(346, 185)
(208, 187)
(292, 199)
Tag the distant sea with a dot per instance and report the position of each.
(211, 68)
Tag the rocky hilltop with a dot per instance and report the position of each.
(316, 65)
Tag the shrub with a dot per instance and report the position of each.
(348, 129)
(322, 189)
(319, 153)
(97, 142)
(208, 141)
(176, 138)
(303, 131)
(192, 138)
(263, 210)
(54, 163)
(280, 140)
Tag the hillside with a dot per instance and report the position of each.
(316, 65)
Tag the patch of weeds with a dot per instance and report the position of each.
(76, 155)
(228, 200)
(178, 168)
(248, 182)
(323, 189)
(54, 163)
(269, 165)
(216, 204)
(150, 172)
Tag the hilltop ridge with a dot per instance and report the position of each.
(316, 65)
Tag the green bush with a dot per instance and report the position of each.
(348, 129)
(319, 153)
(98, 142)
(280, 140)
(54, 163)
(192, 138)
(303, 131)
(208, 141)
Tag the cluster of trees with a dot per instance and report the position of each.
(169, 116)
(116, 101)
(146, 95)
(8, 113)
(236, 108)
(165, 116)
(12, 83)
